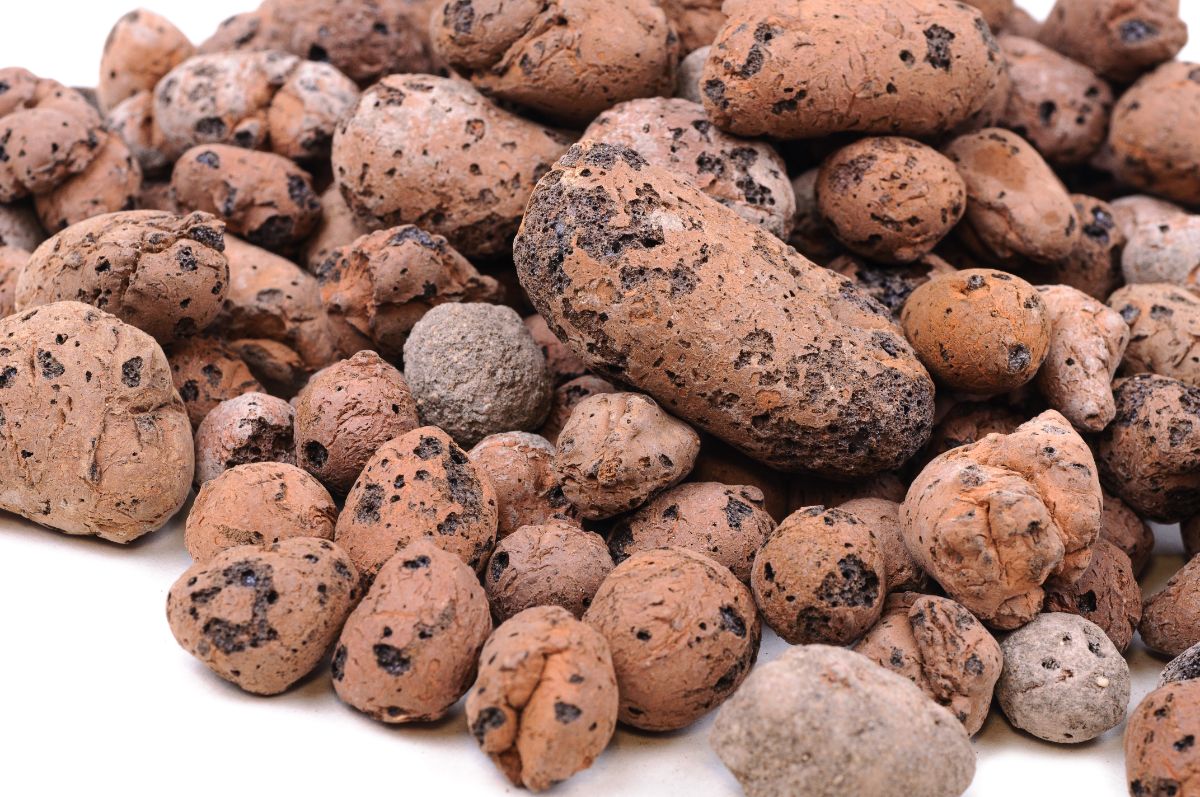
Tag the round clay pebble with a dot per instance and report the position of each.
(619, 449)
(141, 47)
(683, 631)
(420, 484)
(1063, 680)
(364, 39)
(968, 422)
(827, 722)
(689, 76)
(1121, 526)
(263, 617)
(566, 397)
(1164, 326)
(1166, 251)
(1184, 667)
(408, 652)
(345, 413)
(544, 704)
(12, 262)
(939, 646)
(890, 285)
(882, 516)
(1106, 594)
(727, 523)
(1171, 617)
(548, 564)
(820, 577)
(475, 370)
(252, 427)
(1120, 39)
(133, 122)
(890, 199)
(259, 503)
(207, 371)
(810, 236)
(560, 360)
(111, 182)
(1094, 266)
(1161, 757)
(722, 463)
(520, 467)
(978, 330)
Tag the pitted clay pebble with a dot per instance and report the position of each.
(994, 520)
(890, 285)
(564, 59)
(1107, 594)
(259, 503)
(337, 228)
(1087, 342)
(1164, 251)
(468, 179)
(548, 564)
(1164, 322)
(1094, 266)
(544, 704)
(345, 413)
(141, 47)
(683, 631)
(1063, 680)
(826, 722)
(1120, 39)
(93, 436)
(418, 485)
(696, 21)
(109, 183)
(20, 227)
(689, 77)
(277, 366)
(165, 274)
(207, 371)
(968, 422)
(596, 250)
(619, 449)
(1016, 206)
(1148, 455)
(1171, 617)
(1121, 526)
(978, 330)
(409, 650)
(748, 177)
(252, 427)
(914, 67)
(379, 285)
(12, 262)
(566, 397)
(263, 617)
(820, 577)
(882, 516)
(1138, 210)
(306, 108)
(727, 523)
(133, 122)
(805, 492)
(722, 463)
(475, 370)
(560, 360)
(939, 646)
(520, 467)
(1184, 667)
(1161, 757)
(890, 199)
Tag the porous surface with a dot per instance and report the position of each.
(696, 21)
(408, 652)
(1118, 38)
(890, 285)
(720, 462)
(882, 517)
(1171, 617)
(206, 371)
(544, 704)
(93, 439)
(825, 722)
(547, 564)
(566, 397)
(263, 617)
(683, 632)
(109, 183)
(969, 421)
(1063, 680)
(141, 47)
(1160, 742)
(1121, 526)
(12, 261)
(1106, 594)
(1167, 250)
(520, 467)
(251, 427)
(1094, 265)
(1184, 667)
(1164, 325)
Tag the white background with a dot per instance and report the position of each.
(96, 697)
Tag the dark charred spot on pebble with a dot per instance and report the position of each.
(416, 563)
(428, 448)
(338, 666)
(853, 584)
(736, 512)
(489, 719)
(732, 621)
(1133, 31)
(391, 660)
(315, 454)
(937, 42)
(51, 368)
(367, 510)
(566, 713)
(1019, 357)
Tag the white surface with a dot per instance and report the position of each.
(97, 697)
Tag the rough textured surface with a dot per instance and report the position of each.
(748, 177)
(1167, 250)
(164, 274)
(471, 176)
(544, 704)
(520, 467)
(696, 21)
(20, 227)
(725, 522)
(614, 251)
(1107, 594)
(683, 632)
(93, 437)
(720, 462)
(547, 564)
(1121, 526)
(263, 618)
(820, 577)
(259, 503)
(207, 371)
(561, 362)
(911, 67)
(1149, 456)
(1161, 757)
(889, 198)
(1164, 322)
(141, 47)
(979, 330)
(420, 484)
(1171, 617)
(345, 413)
(1094, 265)
(276, 365)
(994, 520)
(619, 449)
(1087, 341)
(1184, 667)
(1063, 680)
(826, 722)
(133, 122)
(882, 517)
(939, 646)
(566, 397)
(252, 427)
(409, 650)
(12, 261)
(475, 370)
(890, 285)
(337, 228)
(564, 59)
(1118, 38)
(109, 183)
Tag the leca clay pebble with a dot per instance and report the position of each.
(552, 563)
(1161, 757)
(520, 468)
(252, 427)
(207, 371)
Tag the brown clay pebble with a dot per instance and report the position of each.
(619, 449)
(939, 646)
(683, 631)
(1094, 265)
(553, 563)
(252, 427)
(882, 516)
(1164, 325)
(890, 285)
(727, 523)
(12, 262)
(720, 462)
(520, 467)
(696, 21)
(141, 47)
(1107, 594)
(968, 422)
(566, 397)
(418, 485)
(1161, 757)
(1118, 38)
(1121, 526)
(820, 577)
(561, 362)
(263, 617)
(1171, 617)
(207, 371)
(544, 704)
(259, 503)
(345, 413)
(111, 182)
